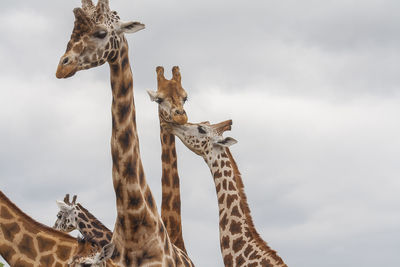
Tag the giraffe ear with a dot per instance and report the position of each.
(106, 252)
(152, 94)
(130, 26)
(63, 207)
(226, 142)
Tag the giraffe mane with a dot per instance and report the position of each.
(35, 223)
(244, 205)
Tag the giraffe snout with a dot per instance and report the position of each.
(66, 68)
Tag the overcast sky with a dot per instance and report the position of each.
(312, 88)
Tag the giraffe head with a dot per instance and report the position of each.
(96, 38)
(170, 97)
(66, 216)
(204, 138)
(90, 254)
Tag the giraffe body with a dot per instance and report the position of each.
(240, 243)
(25, 242)
(139, 234)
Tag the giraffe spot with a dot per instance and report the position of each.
(5, 213)
(247, 251)
(118, 192)
(235, 228)
(125, 88)
(10, 230)
(112, 57)
(223, 222)
(22, 263)
(124, 63)
(121, 222)
(141, 175)
(173, 150)
(130, 169)
(230, 199)
(266, 263)
(81, 225)
(218, 187)
(224, 184)
(165, 178)
(63, 252)
(253, 256)
(26, 247)
(225, 242)
(228, 164)
(238, 244)
(7, 252)
(150, 199)
(224, 155)
(108, 236)
(228, 260)
(177, 203)
(171, 139)
(58, 265)
(146, 256)
(97, 234)
(123, 111)
(217, 174)
(83, 217)
(115, 158)
(125, 139)
(105, 55)
(134, 202)
(235, 212)
(215, 163)
(47, 260)
(165, 156)
(166, 198)
(222, 163)
(176, 180)
(221, 198)
(174, 164)
(227, 173)
(239, 260)
(231, 187)
(45, 244)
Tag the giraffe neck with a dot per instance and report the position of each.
(171, 195)
(138, 227)
(25, 242)
(90, 227)
(240, 243)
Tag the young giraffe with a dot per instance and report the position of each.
(73, 216)
(240, 243)
(139, 234)
(25, 242)
(170, 96)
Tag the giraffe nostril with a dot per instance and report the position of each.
(65, 61)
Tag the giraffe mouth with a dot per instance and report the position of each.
(66, 71)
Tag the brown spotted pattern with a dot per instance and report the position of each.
(139, 234)
(240, 243)
(25, 242)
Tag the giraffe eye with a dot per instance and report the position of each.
(201, 130)
(159, 100)
(100, 34)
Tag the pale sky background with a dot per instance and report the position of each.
(312, 88)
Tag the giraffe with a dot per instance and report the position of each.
(139, 234)
(25, 242)
(240, 243)
(170, 97)
(73, 216)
